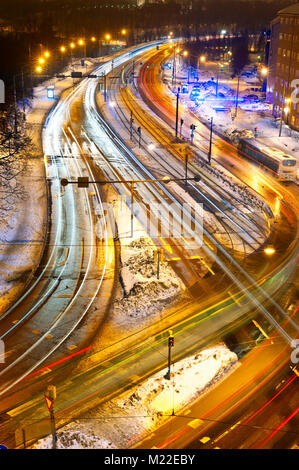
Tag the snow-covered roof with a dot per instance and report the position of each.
(291, 10)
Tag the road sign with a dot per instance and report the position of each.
(76, 74)
(83, 182)
(49, 402)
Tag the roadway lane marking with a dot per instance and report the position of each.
(260, 328)
(205, 439)
(72, 347)
(80, 269)
(65, 258)
(235, 425)
(195, 423)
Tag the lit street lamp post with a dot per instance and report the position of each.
(211, 141)
(177, 112)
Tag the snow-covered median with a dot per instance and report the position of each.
(121, 422)
(144, 294)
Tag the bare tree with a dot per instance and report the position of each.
(13, 147)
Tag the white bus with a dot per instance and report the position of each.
(283, 165)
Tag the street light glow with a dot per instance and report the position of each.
(202, 58)
(108, 37)
(269, 250)
(62, 49)
(93, 39)
(47, 54)
(41, 60)
(72, 45)
(264, 71)
(123, 32)
(38, 69)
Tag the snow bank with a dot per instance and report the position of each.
(143, 293)
(127, 419)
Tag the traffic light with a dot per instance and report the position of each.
(171, 341)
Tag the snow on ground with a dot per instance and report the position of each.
(128, 418)
(143, 293)
(250, 115)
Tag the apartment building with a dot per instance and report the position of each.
(284, 65)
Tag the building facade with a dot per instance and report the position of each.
(284, 66)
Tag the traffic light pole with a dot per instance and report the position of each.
(186, 169)
(211, 141)
(170, 346)
(177, 113)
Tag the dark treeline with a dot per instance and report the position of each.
(76, 17)
(31, 26)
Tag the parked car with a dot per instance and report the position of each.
(251, 97)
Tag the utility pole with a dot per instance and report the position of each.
(158, 258)
(192, 128)
(139, 133)
(237, 96)
(131, 126)
(173, 66)
(105, 87)
(182, 122)
(50, 398)
(211, 141)
(170, 346)
(177, 112)
(186, 169)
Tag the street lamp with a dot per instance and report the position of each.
(269, 250)
(202, 59)
(62, 50)
(47, 54)
(72, 46)
(177, 112)
(220, 68)
(264, 71)
(108, 37)
(38, 69)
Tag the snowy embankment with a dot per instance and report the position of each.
(143, 293)
(121, 422)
